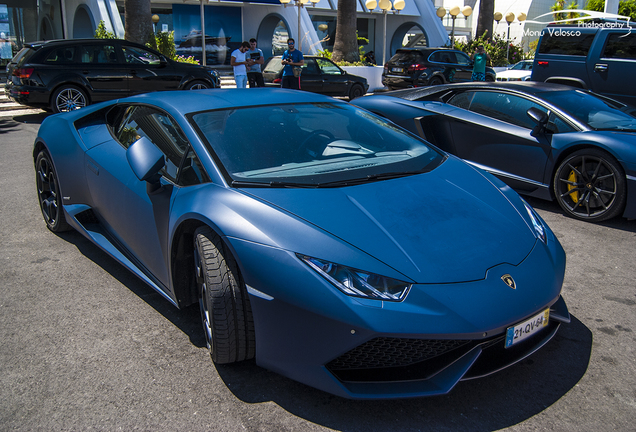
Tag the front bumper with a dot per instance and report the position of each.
(356, 348)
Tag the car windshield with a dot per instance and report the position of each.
(598, 113)
(310, 145)
(522, 65)
(274, 65)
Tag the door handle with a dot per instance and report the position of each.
(600, 68)
(134, 71)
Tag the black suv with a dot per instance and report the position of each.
(599, 56)
(318, 75)
(63, 75)
(428, 66)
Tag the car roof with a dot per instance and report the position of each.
(426, 49)
(55, 42)
(530, 87)
(192, 101)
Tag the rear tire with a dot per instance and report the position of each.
(68, 98)
(435, 81)
(225, 308)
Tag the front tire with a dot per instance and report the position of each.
(590, 185)
(197, 85)
(68, 98)
(225, 308)
(49, 195)
(356, 91)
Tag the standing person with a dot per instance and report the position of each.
(254, 73)
(239, 61)
(291, 57)
(479, 58)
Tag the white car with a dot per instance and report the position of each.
(519, 72)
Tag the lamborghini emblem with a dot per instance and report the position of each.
(508, 280)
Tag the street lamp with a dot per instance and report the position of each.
(454, 12)
(299, 4)
(385, 6)
(510, 17)
(155, 20)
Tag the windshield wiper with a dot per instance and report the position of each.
(272, 184)
(337, 183)
(368, 179)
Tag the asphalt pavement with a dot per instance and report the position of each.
(87, 346)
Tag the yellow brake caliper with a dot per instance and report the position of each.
(574, 195)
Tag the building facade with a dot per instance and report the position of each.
(226, 25)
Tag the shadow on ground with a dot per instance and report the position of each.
(495, 402)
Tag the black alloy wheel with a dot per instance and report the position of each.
(590, 185)
(225, 308)
(49, 194)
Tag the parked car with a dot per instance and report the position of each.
(325, 242)
(600, 58)
(64, 75)
(520, 71)
(545, 140)
(318, 75)
(427, 67)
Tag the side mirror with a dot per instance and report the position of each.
(163, 61)
(146, 160)
(538, 116)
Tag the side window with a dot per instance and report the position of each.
(557, 125)
(443, 57)
(620, 46)
(566, 44)
(141, 121)
(462, 58)
(462, 100)
(135, 55)
(97, 54)
(501, 106)
(310, 67)
(328, 68)
(62, 55)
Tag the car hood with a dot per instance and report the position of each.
(514, 74)
(448, 225)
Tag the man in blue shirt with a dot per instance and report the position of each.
(291, 58)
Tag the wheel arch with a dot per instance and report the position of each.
(565, 153)
(84, 86)
(182, 259)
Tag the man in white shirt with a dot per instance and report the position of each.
(238, 61)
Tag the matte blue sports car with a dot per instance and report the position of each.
(320, 239)
(544, 140)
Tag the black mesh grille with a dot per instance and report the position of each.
(392, 352)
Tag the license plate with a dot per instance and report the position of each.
(527, 328)
(398, 70)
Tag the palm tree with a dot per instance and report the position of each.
(485, 18)
(138, 22)
(345, 47)
(559, 6)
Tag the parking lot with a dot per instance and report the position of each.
(88, 346)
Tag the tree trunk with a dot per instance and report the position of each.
(485, 19)
(138, 20)
(345, 46)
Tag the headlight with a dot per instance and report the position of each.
(537, 223)
(358, 283)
